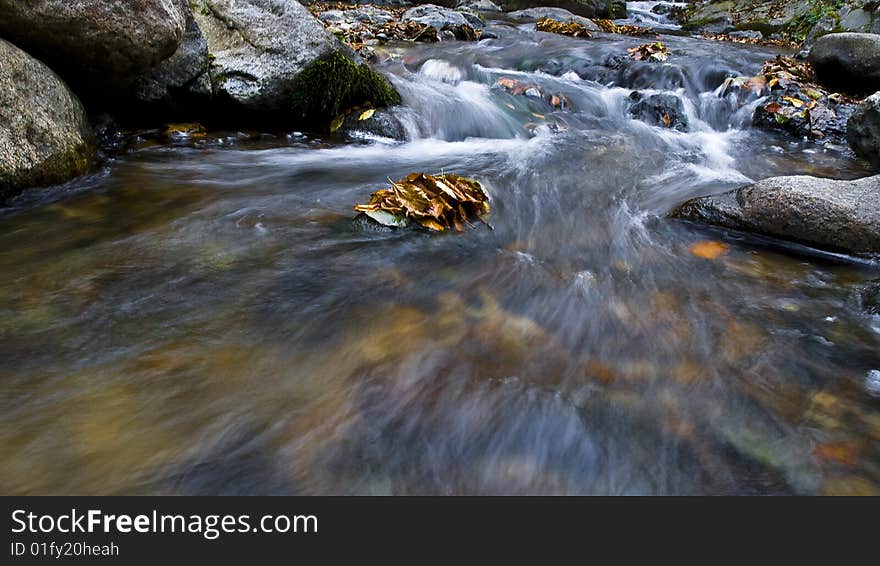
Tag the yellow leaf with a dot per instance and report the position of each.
(709, 250)
(794, 101)
(337, 122)
(366, 114)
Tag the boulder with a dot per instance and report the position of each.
(612, 9)
(863, 130)
(45, 136)
(848, 62)
(271, 58)
(663, 110)
(381, 123)
(825, 213)
(478, 5)
(94, 44)
(183, 78)
(558, 14)
(439, 17)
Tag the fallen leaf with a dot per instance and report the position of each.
(773, 107)
(794, 101)
(337, 122)
(366, 114)
(845, 452)
(709, 249)
(434, 202)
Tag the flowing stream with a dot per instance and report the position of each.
(206, 318)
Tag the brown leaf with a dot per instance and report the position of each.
(709, 249)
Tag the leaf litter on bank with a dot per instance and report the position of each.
(570, 28)
(608, 26)
(435, 202)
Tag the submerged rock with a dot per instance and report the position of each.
(824, 213)
(95, 43)
(848, 62)
(870, 297)
(46, 137)
(664, 110)
(271, 57)
(863, 130)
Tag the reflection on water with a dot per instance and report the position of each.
(208, 319)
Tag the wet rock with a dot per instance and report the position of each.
(557, 14)
(611, 9)
(748, 34)
(848, 62)
(183, 77)
(824, 213)
(95, 43)
(792, 110)
(439, 17)
(664, 110)
(45, 137)
(478, 6)
(381, 123)
(863, 130)
(272, 58)
(362, 14)
(870, 297)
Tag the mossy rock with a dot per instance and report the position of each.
(46, 137)
(332, 84)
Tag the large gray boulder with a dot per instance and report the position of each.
(45, 137)
(824, 213)
(848, 62)
(612, 9)
(94, 43)
(558, 14)
(863, 130)
(183, 77)
(440, 17)
(272, 57)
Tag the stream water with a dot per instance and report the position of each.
(206, 318)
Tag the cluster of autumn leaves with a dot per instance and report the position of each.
(794, 97)
(654, 52)
(434, 202)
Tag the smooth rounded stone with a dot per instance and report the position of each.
(45, 136)
(824, 213)
(558, 14)
(848, 62)
(863, 130)
(93, 43)
(663, 110)
(440, 17)
(478, 5)
(182, 78)
(383, 123)
(259, 51)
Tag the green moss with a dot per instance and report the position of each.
(798, 28)
(334, 83)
